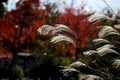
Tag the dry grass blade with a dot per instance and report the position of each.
(90, 52)
(45, 29)
(61, 37)
(116, 63)
(100, 41)
(106, 31)
(97, 17)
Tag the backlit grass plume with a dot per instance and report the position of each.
(77, 64)
(90, 77)
(90, 52)
(101, 41)
(59, 28)
(57, 33)
(110, 46)
(106, 31)
(107, 54)
(108, 51)
(116, 63)
(45, 30)
(105, 51)
(64, 38)
(106, 61)
(54, 30)
(97, 17)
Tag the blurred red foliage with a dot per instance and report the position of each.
(79, 24)
(18, 27)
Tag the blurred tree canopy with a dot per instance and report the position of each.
(19, 28)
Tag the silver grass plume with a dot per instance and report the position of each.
(90, 52)
(54, 30)
(91, 77)
(117, 26)
(77, 64)
(100, 41)
(110, 46)
(97, 17)
(58, 28)
(104, 51)
(61, 37)
(68, 71)
(45, 29)
(106, 31)
(116, 63)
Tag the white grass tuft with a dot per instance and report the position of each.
(90, 52)
(116, 63)
(117, 26)
(97, 17)
(104, 51)
(45, 29)
(90, 77)
(61, 28)
(61, 37)
(106, 31)
(77, 64)
(100, 41)
(57, 29)
(68, 71)
(110, 46)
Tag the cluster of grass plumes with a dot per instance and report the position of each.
(105, 57)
